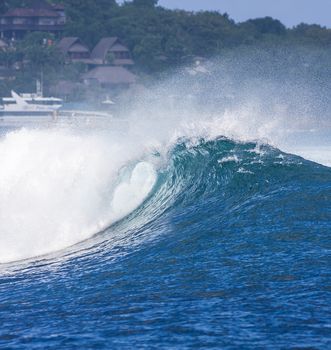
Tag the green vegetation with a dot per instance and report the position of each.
(30, 58)
(159, 38)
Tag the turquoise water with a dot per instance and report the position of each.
(230, 249)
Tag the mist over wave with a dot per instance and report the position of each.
(280, 97)
(60, 186)
(200, 225)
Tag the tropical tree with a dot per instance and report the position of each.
(145, 3)
(268, 25)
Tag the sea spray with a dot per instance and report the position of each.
(229, 249)
(59, 187)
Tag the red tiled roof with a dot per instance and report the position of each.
(28, 12)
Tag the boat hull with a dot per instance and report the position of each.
(60, 118)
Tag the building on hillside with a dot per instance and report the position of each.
(60, 10)
(40, 16)
(110, 77)
(74, 49)
(111, 51)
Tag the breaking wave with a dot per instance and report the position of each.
(60, 187)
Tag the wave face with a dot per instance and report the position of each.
(208, 243)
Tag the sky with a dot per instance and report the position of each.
(289, 12)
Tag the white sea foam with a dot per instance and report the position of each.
(228, 159)
(58, 187)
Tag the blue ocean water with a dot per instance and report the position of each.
(230, 250)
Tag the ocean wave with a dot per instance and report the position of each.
(58, 188)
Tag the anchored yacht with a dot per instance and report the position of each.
(36, 110)
(29, 105)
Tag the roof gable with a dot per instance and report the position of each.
(103, 46)
(67, 43)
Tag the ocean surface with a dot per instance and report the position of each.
(198, 240)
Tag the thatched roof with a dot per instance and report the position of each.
(105, 45)
(110, 75)
(72, 44)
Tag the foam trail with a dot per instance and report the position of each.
(58, 187)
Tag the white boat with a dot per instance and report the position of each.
(36, 110)
(29, 105)
(108, 102)
(36, 100)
